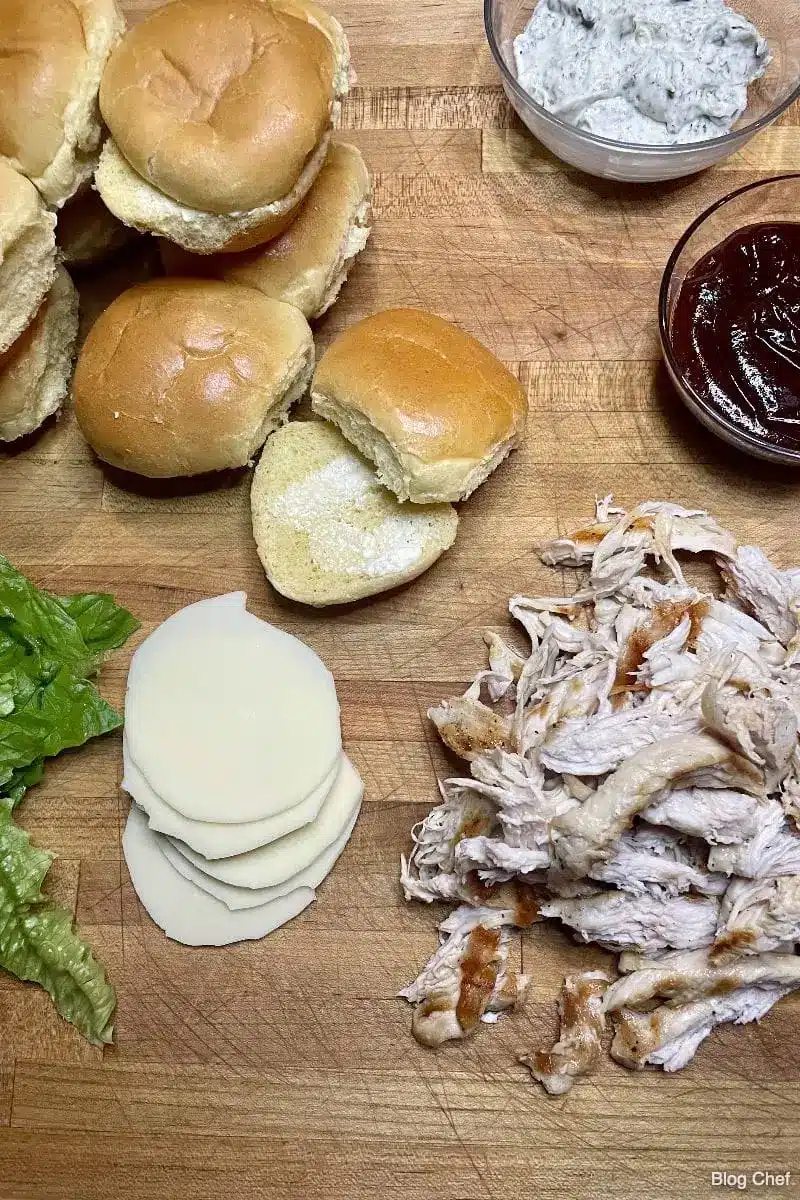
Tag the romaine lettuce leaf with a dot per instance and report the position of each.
(38, 942)
(48, 647)
(33, 616)
(103, 624)
(57, 715)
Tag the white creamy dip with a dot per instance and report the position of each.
(653, 72)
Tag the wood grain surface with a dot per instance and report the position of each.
(285, 1069)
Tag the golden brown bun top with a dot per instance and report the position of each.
(42, 50)
(21, 206)
(432, 390)
(218, 103)
(177, 374)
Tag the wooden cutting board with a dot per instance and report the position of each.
(285, 1070)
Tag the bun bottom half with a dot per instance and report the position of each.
(138, 204)
(35, 371)
(326, 531)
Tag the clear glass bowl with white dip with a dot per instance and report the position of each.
(777, 20)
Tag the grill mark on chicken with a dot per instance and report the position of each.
(527, 905)
(469, 728)
(479, 970)
(667, 616)
(578, 1048)
(593, 535)
(474, 827)
(636, 1037)
(735, 942)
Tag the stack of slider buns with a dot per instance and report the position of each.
(52, 57)
(38, 310)
(218, 115)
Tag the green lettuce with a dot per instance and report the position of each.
(102, 624)
(49, 647)
(38, 942)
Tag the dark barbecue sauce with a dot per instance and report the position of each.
(736, 331)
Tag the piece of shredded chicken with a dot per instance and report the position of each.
(757, 915)
(585, 834)
(669, 1037)
(772, 849)
(577, 1051)
(467, 979)
(635, 776)
(695, 976)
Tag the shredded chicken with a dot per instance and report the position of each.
(577, 1051)
(585, 834)
(647, 923)
(720, 816)
(429, 874)
(466, 979)
(695, 976)
(756, 916)
(469, 728)
(635, 776)
(669, 1037)
(772, 596)
(773, 848)
(658, 862)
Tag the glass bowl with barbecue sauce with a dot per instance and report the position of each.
(729, 316)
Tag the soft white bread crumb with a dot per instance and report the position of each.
(326, 531)
(35, 371)
(27, 253)
(428, 404)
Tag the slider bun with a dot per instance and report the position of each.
(183, 376)
(432, 408)
(327, 24)
(52, 55)
(35, 371)
(308, 264)
(27, 253)
(142, 206)
(326, 531)
(220, 104)
(87, 232)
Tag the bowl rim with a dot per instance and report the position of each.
(646, 149)
(710, 417)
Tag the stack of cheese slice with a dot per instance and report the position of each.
(233, 755)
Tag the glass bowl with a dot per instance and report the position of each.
(775, 199)
(778, 21)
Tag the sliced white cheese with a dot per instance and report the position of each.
(183, 911)
(228, 718)
(273, 864)
(214, 839)
(238, 898)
